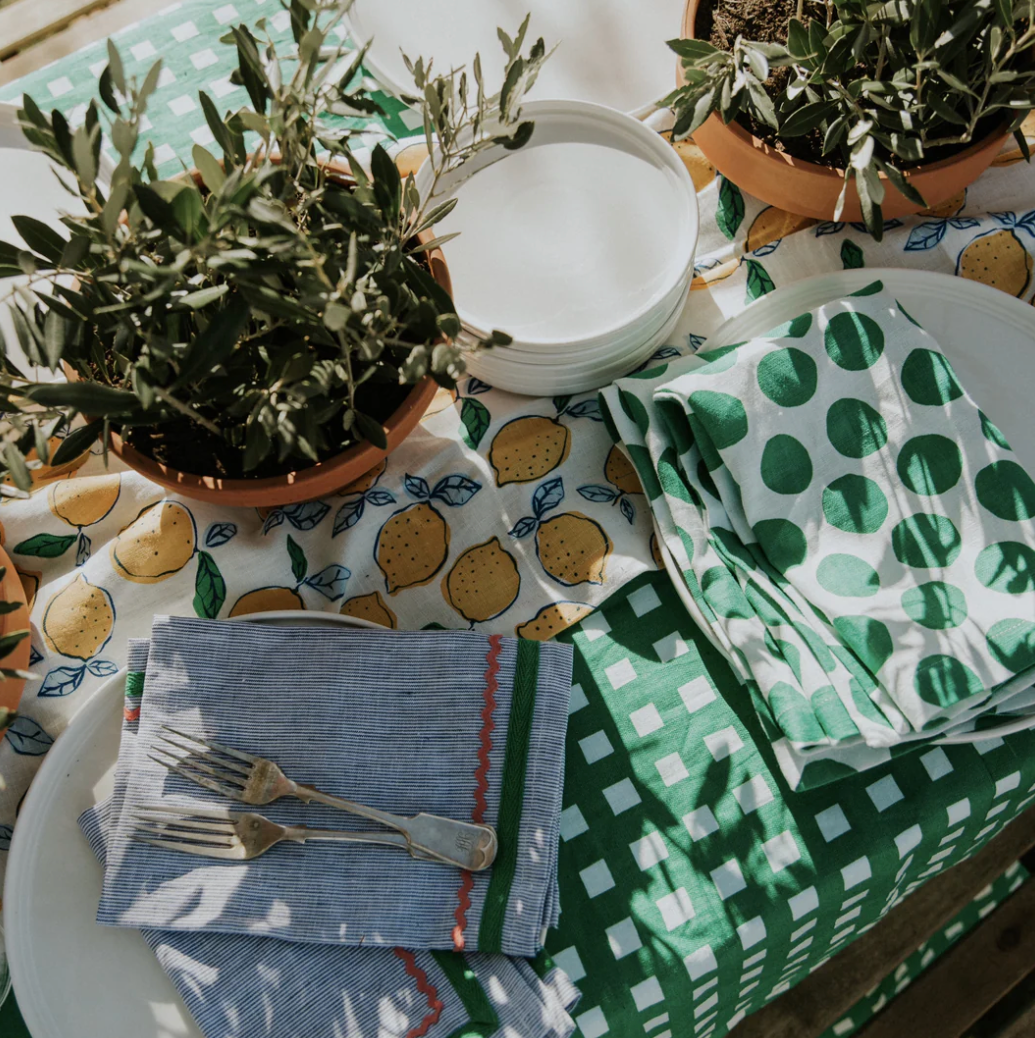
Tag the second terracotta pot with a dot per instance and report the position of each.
(812, 190)
(11, 590)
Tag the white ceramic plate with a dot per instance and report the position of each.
(71, 975)
(574, 239)
(611, 52)
(988, 335)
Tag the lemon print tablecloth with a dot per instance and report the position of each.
(663, 812)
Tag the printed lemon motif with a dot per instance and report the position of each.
(411, 158)
(412, 546)
(357, 486)
(618, 469)
(950, 207)
(30, 579)
(78, 620)
(85, 500)
(771, 224)
(526, 449)
(997, 259)
(701, 171)
(705, 277)
(552, 619)
(157, 544)
(483, 582)
(267, 599)
(370, 607)
(573, 549)
(42, 475)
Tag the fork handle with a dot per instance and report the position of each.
(469, 845)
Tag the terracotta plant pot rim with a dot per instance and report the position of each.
(306, 483)
(995, 137)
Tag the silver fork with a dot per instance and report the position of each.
(256, 781)
(238, 836)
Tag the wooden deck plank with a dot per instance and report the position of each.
(826, 995)
(25, 22)
(969, 978)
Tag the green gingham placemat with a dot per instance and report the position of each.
(695, 887)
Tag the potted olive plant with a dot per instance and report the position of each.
(850, 109)
(265, 328)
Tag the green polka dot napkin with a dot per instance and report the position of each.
(852, 530)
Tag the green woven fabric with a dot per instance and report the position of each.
(695, 887)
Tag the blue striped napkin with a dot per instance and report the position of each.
(237, 985)
(455, 723)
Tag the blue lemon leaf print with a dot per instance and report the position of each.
(455, 490)
(925, 236)
(299, 563)
(729, 214)
(417, 486)
(560, 403)
(759, 283)
(349, 514)
(219, 533)
(476, 386)
(273, 520)
(549, 495)
(28, 738)
(1006, 219)
(102, 668)
(82, 551)
(379, 498)
(475, 418)
(330, 582)
(524, 527)
(595, 492)
(1027, 221)
(628, 509)
(307, 515)
(209, 587)
(586, 409)
(62, 681)
(668, 352)
(889, 225)
(35, 656)
(829, 227)
(695, 342)
(45, 545)
(963, 223)
(6, 832)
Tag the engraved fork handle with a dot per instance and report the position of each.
(468, 845)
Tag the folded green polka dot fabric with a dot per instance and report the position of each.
(852, 531)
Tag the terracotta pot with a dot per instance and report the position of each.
(812, 190)
(18, 659)
(317, 480)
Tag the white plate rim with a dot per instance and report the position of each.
(46, 788)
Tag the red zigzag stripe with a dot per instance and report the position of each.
(427, 989)
(481, 779)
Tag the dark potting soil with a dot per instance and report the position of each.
(184, 445)
(720, 22)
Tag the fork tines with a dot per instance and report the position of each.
(194, 831)
(214, 766)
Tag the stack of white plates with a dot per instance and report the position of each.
(579, 245)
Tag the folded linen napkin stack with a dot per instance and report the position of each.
(456, 724)
(852, 531)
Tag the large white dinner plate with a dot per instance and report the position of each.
(612, 52)
(74, 978)
(988, 335)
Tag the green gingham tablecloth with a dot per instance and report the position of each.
(695, 887)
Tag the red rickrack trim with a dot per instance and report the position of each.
(427, 989)
(481, 778)
(131, 713)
